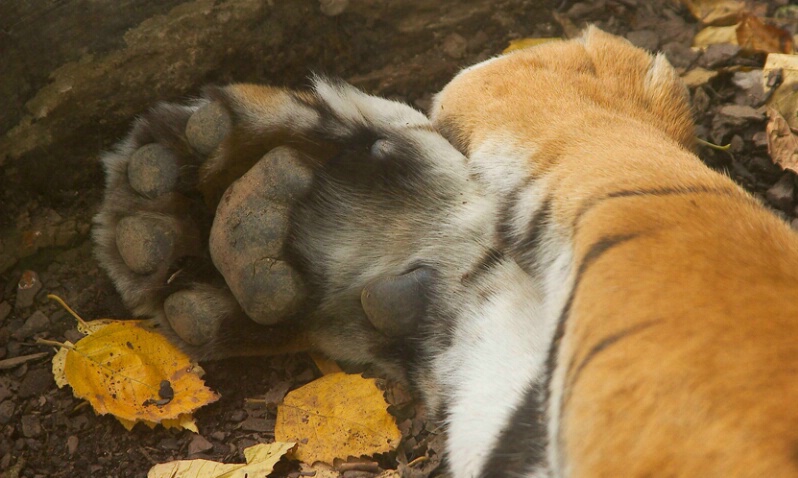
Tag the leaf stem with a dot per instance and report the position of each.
(55, 343)
(67, 308)
(718, 147)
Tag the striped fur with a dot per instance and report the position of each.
(601, 304)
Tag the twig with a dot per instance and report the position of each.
(17, 361)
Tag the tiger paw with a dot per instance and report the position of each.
(172, 254)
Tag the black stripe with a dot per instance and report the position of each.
(522, 443)
(527, 250)
(655, 192)
(602, 345)
(596, 250)
(490, 258)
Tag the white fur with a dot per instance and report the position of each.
(502, 163)
(499, 348)
(356, 107)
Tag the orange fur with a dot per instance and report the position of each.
(703, 382)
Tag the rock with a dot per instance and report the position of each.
(31, 426)
(27, 288)
(781, 193)
(5, 309)
(455, 46)
(219, 435)
(199, 444)
(37, 322)
(237, 416)
(646, 39)
(679, 54)
(718, 54)
(257, 425)
(5, 389)
(6, 412)
(36, 382)
(72, 444)
(332, 8)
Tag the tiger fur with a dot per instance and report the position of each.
(593, 301)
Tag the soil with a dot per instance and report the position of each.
(46, 432)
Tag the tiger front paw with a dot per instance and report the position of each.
(210, 275)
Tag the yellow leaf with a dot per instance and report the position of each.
(260, 458)
(134, 373)
(326, 366)
(59, 359)
(697, 77)
(336, 416)
(714, 35)
(715, 12)
(526, 43)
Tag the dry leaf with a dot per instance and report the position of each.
(325, 365)
(260, 458)
(754, 36)
(336, 416)
(781, 72)
(715, 35)
(522, 43)
(697, 77)
(782, 142)
(134, 373)
(127, 369)
(715, 12)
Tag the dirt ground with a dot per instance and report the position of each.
(46, 432)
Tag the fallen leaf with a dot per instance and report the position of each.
(715, 35)
(715, 12)
(132, 372)
(260, 459)
(336, 416)
(522, 43)
(782, 142)
(755, 36)
(780, 79)
(698, 76)
(325, 365)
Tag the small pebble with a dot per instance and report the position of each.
(646, 39)
(27, 288)
(37, 322)
(258, 425)
(31, 426)
(781, 193)
(332, 8)
(237, 416)
(72, 444)
(455, 46)
(199, 444)
(35, 382)
(6, 411)
(5, 309)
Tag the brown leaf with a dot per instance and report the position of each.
(755, 36)
(782, 141)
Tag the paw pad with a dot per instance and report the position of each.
(152, 170)
(145, 242)
(249, 232)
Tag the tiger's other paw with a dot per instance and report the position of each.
(209, 275)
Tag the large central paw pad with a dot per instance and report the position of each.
(171, 255)
(248, 236)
